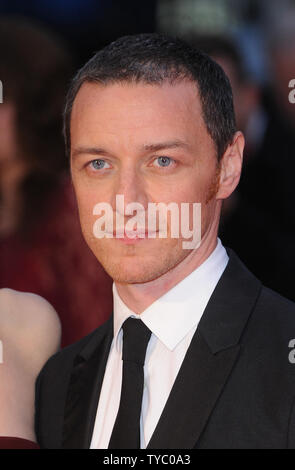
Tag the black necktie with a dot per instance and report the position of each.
(126, 431)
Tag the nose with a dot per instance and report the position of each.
(131, 185)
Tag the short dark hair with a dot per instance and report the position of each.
(154, 59)
(225, 47)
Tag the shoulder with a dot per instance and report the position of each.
(268, 305)
(276, 305)
(29, 311)
(274, 314)
(29, 323)
(63, 360)
(271, 328)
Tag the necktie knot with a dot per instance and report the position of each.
(136, 336)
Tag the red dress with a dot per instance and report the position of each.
(17, 443)
(57, 264)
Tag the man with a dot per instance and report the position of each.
(206, 349)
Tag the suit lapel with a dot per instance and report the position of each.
(84, 389)
(209, 361)
(195, 392)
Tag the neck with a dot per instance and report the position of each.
(139, 297)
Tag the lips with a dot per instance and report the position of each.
(136, 234)
(133, 234)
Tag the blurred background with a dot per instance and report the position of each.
(42, 43)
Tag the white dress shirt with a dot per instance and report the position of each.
(173, 320)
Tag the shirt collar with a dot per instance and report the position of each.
(172, 316)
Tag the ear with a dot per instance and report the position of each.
(231, 167)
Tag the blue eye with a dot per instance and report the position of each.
(98, 164)
(164, 161)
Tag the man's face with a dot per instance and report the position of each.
(119, 136)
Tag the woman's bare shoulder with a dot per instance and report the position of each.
(30, 324)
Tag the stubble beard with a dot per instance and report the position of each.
(134, 267)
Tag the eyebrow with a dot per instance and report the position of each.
(153, 147)
(89, 150)
(165, 145)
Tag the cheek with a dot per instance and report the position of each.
(203, 190)
(87, 195)
(86, 202)
(196, 188)
(213, 185)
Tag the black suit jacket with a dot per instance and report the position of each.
(235, 388)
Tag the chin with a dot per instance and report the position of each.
(136, 266)
(139, 271)
(132, 279)
(126, 274)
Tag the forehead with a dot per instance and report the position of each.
(137, 109)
